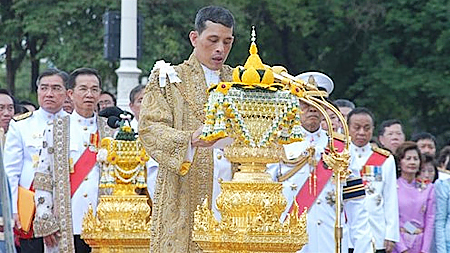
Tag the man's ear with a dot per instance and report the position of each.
(70, 93)
(193, 35)
(381, 140)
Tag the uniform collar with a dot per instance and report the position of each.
(314, 136)
(82, 120)
(49, 117)
(360, 150)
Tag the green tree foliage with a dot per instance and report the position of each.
(390, 56)
(69, 34)
(404, 69)
(78, 37)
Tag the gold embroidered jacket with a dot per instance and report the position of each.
(169, 116)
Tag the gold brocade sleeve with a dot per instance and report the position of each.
(159, 127)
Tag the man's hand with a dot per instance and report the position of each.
(197, 142)
(389, 246)
(17, 224)
(52, 240)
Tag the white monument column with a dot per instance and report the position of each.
(128, 72)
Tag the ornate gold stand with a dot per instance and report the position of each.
(251, 206)
(121, 225)
(122, 221)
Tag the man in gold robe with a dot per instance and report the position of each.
(171, 121)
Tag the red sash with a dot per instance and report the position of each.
(376, 159)
(84, 165)
(304, 198)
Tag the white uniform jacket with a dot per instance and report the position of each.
(381, 195)
(21, 153)
(321, 216)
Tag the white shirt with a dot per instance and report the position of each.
(381, 195)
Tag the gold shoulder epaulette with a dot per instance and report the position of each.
(339, 136)
(381, 151)
(22, 116)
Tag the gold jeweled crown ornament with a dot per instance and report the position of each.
(259, 114)
(121, 223)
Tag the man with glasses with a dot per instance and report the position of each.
(23, 142)
(107, 99)
(67, 177)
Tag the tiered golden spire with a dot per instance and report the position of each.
(254, 72)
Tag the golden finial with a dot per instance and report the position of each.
(249, 73)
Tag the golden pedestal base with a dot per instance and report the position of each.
(251, 206)
(121, 225)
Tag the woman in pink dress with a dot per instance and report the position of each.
(416, 202)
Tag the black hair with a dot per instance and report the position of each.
(135, 91)
(400, 154)
(51, 72)
(111, 95)
(20, 109)
(424, 136)
(6, 92)
(83, 71)
(443, 154)
(215, 14)
(388, 123)
(360, 110)
(26, 102)
(429, 159)
(344, 103)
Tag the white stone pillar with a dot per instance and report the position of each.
(128, 72)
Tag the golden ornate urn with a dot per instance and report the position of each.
(259, 114)
(260, 110)
(122, 220)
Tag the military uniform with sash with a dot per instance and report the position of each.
(378, 171)
(306, 180)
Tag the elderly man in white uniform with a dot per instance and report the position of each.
(24, 140)
(304, 178)
(377, 169)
